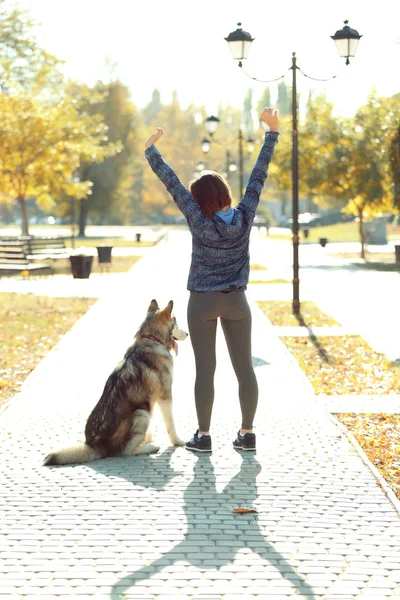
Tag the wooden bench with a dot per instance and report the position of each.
(27, 253)
(42, 248)
(14, 259)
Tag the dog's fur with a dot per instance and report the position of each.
(119, 423)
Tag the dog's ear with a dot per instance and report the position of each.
(153, 306)
(169, 307)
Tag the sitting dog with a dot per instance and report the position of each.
(119, 423)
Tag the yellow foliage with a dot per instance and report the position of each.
(41, 146)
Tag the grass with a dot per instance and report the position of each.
(280, 236)
(279, 312)
(119, 264)
(380, 266)
(376, 261)
(340, 232)
(382, 257)
(29, 327)
(93, 242)
(264, 281)
(344, 365)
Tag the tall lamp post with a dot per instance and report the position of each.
(239, 42)
(211, 125)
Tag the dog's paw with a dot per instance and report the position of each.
(147, 449)
(178, 442)
(152, 448)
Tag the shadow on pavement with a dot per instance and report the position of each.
(258, 362)
(209, 513)
(321, 351)
(156, 474)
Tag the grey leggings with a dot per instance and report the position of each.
(234, 313)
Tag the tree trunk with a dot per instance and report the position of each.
(24, 214)
(362, 233)
(82, 217)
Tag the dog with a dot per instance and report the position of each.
(119, 424)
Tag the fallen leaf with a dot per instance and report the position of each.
(244, 511)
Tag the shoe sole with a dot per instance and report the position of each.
(243, 448)
(198, 449)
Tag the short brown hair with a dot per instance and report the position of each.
(211, 192)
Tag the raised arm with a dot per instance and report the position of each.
(182, 197)
(260, 170)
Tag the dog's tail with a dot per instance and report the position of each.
(77, 454)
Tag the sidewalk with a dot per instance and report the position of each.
(162, 526)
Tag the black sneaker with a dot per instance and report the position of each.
(245, 442)
(199, 443)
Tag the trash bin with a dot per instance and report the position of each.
(397, 253)
(104, 253)
(323, 242)
(138, 237)
(81, 265)
(306, 232)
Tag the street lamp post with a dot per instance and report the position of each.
(239, 42)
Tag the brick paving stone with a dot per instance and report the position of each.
(158, 526)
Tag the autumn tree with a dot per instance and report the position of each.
(264, 101)
(284, 99)
(280, 169)
(248, 116)
(23, 63)
(153, 108)
(41, 147)
(349, 159)
(180, 147)
(394, 157)
(368, 177)
(111, 103)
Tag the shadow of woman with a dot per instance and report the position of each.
(223, 533)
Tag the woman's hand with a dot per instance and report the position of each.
(154, 137)
(270, 117)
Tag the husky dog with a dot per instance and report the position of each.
(119, 423)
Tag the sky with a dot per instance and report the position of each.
(178, 45)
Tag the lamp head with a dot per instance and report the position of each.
(239, 43)
(346, 40)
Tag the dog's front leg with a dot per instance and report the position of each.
(149, 433)
(136, 445)
(165, 405)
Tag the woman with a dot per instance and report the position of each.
(218, 278)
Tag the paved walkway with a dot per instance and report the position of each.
(161, 527)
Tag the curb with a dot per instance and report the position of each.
(389, 493)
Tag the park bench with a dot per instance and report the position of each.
(30, 254)
(14, 259)
(42, 248)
